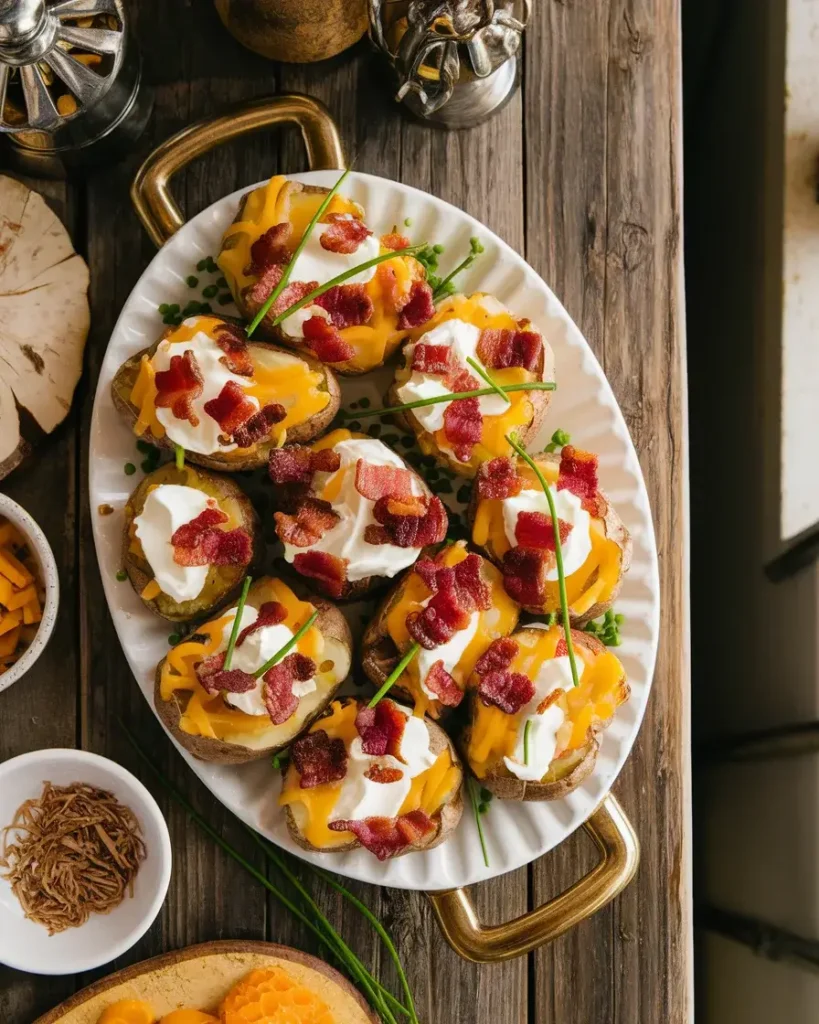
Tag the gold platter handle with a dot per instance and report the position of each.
(619, 847)
(150, 193)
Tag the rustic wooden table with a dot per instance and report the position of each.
(581, 173)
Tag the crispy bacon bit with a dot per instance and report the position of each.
(343, 234)
(380, 774)
(279, 698)
(232, 340)
(374, 482)
(255, 295)
(498, 656)
(428, 358)
(312, 519)
(215, 679)
(325, 342)
(258, 426)
(231, 408)
(524, 574)
(548, 700)
(498, 479)
(296, 464)
(381, 729)
(499, 349)
(578, 474)
(394, 241)
(415, 825)
(177, 387)
(410, 522)
(293, 293)
(271, 613)
(348, 305)
(562, 648)
(329, 572)
(419, 307)
(509, 691)
(386, 837)
(536, 530)
(441, 683)
(270, 249)
(318, 759)
(463, 423)
(201, 542)
(458, 591)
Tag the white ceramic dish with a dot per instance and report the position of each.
(583, 404)
(51, 582)
(26, 945)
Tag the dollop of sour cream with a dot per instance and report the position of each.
(450, 653)
(346, 538)
(361, 797)
(556, 673)
(577, 546)
(166, 508)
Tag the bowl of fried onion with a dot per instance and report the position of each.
(85, 861)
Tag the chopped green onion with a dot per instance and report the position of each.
(408, 222)
(559, 440)
(395, 674)
(492, 384)
(179, 455)
(174, 639)
(526, 729)
(240, 607)
(535, 385)
(476, 807)
(281, 759)
(191, 281)
(129, 469)
(225, 299)
(291, 643)
(210, 291)
(122, 576)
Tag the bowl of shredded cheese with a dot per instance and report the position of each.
(29, 591)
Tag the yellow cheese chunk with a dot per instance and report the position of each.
(128, 1011)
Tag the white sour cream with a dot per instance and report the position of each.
(346, 538)
(556, 673)
(450, 653)
(166, 508)
(361, 798)
(577, 546)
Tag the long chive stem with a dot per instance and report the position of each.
(535, 385)
(478, 822)
(179, 456)
(291, 643)
(526, 729)
(393, 676)
(240, 607)
(288, 270)
(492, 383)
(442, 288)
(561, 575)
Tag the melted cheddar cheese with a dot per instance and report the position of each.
(586, 707)
(428, 792)
(498, 620)
(596, 578)
(281, 201)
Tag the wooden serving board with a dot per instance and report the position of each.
(198, 977)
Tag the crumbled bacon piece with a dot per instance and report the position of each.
(578, 474)
(394, 241)
(293, 293)
(201, 542)
(318, 759)
(498, 656)
(256, 294)
(428, 358)
(498, 479)
(343, 234)
(211, 674)
(419, 307)
(271, 613)
(410, 522)
(415, 826)
(384, 776)
(463, 423)
(279, 699)
(348, 305)
(296, 464)
(231, 408)
(232, 340)
(270, 249)
(500, 349)
(312, 519)
(329, 572)
(177, 387)
(374, 482)
(257, 428)
(524, 574)
(549, 699)
(509, 691)
(325, 342)
(458, 591)
(537, 530)
(441, 683)
(386, 837)
(381, 729)
(562, 648)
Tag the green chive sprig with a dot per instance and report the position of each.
(559, 440)
(179, 456)
(535, 385)
(446, 286)
(291, 643)
(240, 607)
(526, 730)
(476, 807)
(492, 383)
(395, 674)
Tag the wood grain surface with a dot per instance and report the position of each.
(580, 172)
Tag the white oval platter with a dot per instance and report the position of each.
(584, 405)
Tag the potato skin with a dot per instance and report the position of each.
(614, 529)
(126, 376)
(331, 623)
(223, 581)
(446, 819)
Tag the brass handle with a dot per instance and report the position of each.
(150, 194)
(617, 842)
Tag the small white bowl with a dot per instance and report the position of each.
(51, 582)
(26, 945)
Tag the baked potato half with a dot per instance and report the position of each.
(381, 778)
(184, 567)
(354, 326)
(351, 513)
(532, 735)
(434, 363)
(245, 722)
(510, 521)
(236, 399)
(436, 690)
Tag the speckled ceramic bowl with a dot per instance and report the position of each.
(51, 582)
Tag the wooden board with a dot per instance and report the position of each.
(580, 173)
(199, 977)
